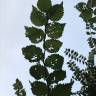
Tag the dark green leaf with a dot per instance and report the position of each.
(56, 12)
(54, 61)
(18, 84)
(81, 6)
(91, 33)
(39, 88)
(52, 45)
(54, 30)
(35, 35)
(93, 20)
(86, 14)
(38, 71)
(20, 91)
(61, 90)
(32, 53)
(56, 76)
(37, 17)
(44, 5)
(88, 33)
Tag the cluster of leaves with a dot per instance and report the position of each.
(20, 91)
(88, 14)
(86, 76)
(74, 55)
(40, 16)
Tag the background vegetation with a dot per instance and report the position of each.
(47, 15)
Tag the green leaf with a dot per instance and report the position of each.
(56, 76)
(32, 53)
(93, 23)
(54, 30)
(20, 91)
(37, 17)
(93, 20)
(61, 90)
(44, 5)
(52, 45)
(18, 85)
(81, 6)
(38, 71)
(86, 14)
(39, 88)
(35, 35)
(54, 61)
(56, 12)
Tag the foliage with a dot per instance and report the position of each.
(38, 71)
(35, 35)
(56, 12)
(37, 17)
(46, 15)
(20, 91)
(75, 55)
(57, 91)
(52, 45)
(39, 88)
(33, 53)
(86, 76)
(54, 61)
(44, 5)
(56, 76)
(54, 30)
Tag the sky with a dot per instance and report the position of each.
(14, 15)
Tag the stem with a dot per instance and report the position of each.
(45, 54)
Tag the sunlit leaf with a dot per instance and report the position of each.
(56, 12)
(38, 71)
(44, 5)
(39, 88)
(54, 30)
(54, 61)
(35, 35)
(52, 45)
(37, 17)
(61, 90)
(56, 76)
(32, 53)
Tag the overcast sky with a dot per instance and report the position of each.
(14, 15)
